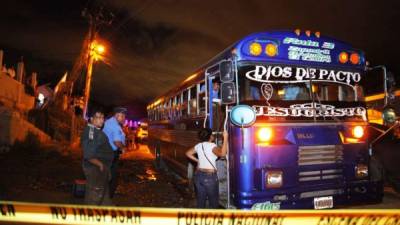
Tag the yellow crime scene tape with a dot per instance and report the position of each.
(80, 214)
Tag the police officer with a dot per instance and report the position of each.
(116, 138)
(97, 158)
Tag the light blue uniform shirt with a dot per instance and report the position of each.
(114, 132)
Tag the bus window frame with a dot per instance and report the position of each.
(185, 103)
(191, 100)
(204, 112)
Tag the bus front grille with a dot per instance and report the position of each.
(322, 154)
(317, 175)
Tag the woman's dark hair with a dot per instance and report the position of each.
(205, 134)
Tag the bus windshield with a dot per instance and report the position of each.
(322, 91)
(302, 91)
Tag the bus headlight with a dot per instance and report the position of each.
(358, 131)
(264, 134)
(361, 171)
(274, 179)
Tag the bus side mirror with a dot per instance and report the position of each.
(228, 92)
(226, 71)
(389, 116)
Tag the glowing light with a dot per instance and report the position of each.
(255, 49)
(297, 31)
(308, 33)
(343, 57)
(100, 49)
(317, 34)
(358, 131)
(264, 134)
(190, 78)
(41, 98)
(354, 58)
(271, 50)
(314, 88)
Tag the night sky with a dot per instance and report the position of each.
(154, 44)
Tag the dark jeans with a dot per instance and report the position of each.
(96, 190)
(207, 187)
(114, 174)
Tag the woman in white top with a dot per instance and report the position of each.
(205, 179)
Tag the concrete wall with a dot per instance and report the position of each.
(14, 127)
(12, 94)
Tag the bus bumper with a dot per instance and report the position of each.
(358, 192)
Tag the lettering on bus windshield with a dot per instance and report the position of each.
(288, 74)
(310, 110)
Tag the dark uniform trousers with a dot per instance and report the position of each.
(97, 189)
(114, 174)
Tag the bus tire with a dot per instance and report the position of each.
(377, 176)
(394, 181)
(396, 185)
(376, 170)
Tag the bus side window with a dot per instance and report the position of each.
(184, 105)
(201, 99)
(157, 112)
(346, 94)
(169, 108)
(193, 101)
(165, 111)
(174, 108)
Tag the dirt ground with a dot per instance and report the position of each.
(33, 173)
(45, 174)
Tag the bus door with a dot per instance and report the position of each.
(220, 92)
(220, 88)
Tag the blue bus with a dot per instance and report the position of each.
(294, 107)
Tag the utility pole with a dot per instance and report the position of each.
(89, 70)
(89, 53)
(94, 51)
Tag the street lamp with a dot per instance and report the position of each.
(97, 50)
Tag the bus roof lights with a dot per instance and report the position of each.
(255, 49)
(308, 33)
(271, 50)
(343, 57)
(317, 34)
(354, 58)
(297, 31)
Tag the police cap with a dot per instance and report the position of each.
(120, 110)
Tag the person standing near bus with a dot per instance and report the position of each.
(205, 178)
(116, 138)
(97, 158)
